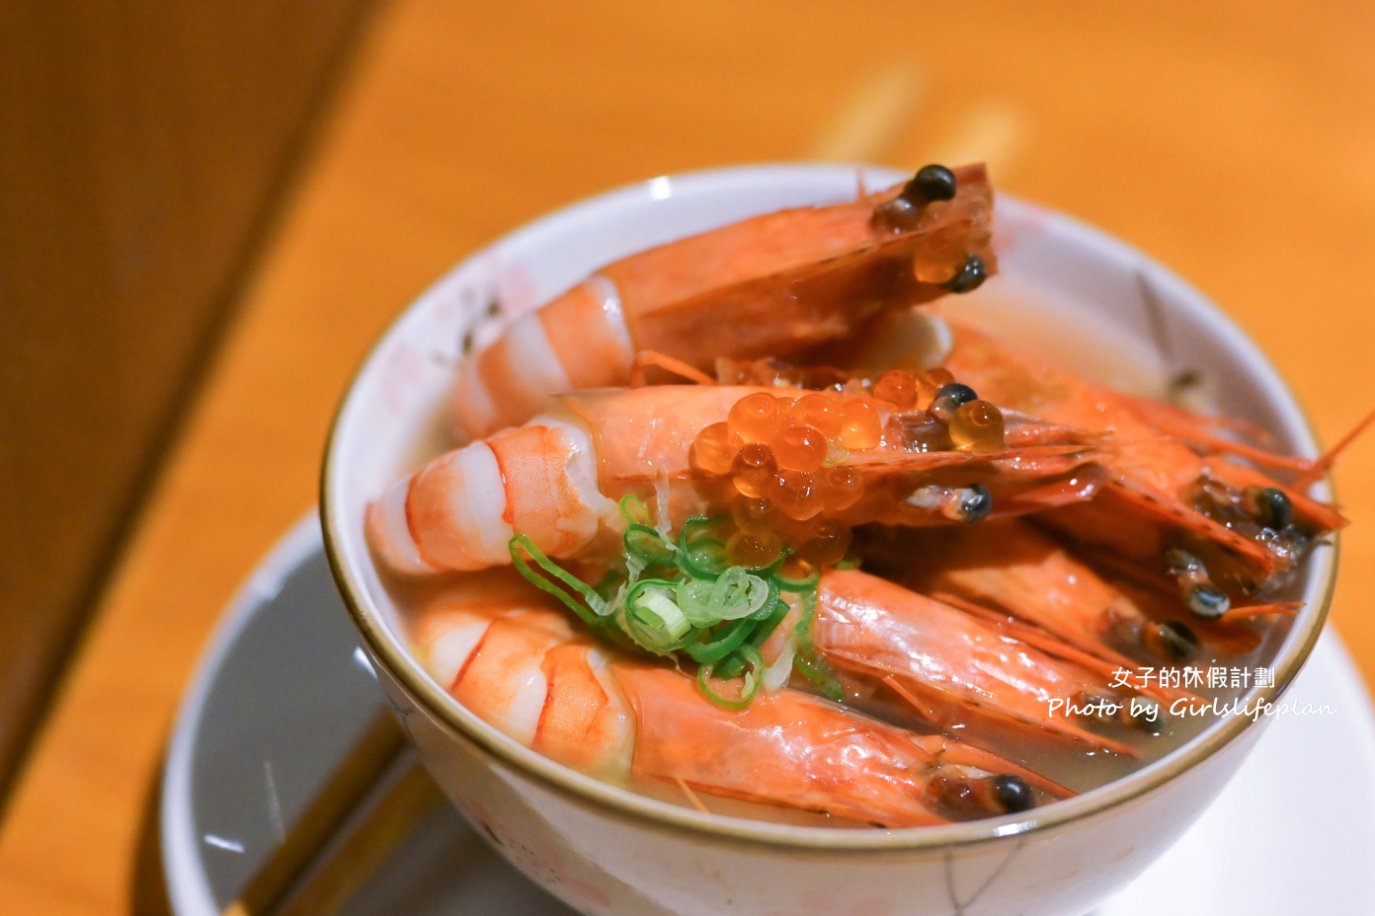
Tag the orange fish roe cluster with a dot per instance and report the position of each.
(898, 388)
(970, 424)
(940, 376)
(860, 426)
(910, 390)
(778, 453)
(714, 449)
(775, 450)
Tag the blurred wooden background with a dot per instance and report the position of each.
(142, 150)
(1232, 141)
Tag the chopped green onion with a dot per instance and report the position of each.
(653, 618)
(592, 607)
(732, 595)
(696, 603)
(806, 584)
(701, 554)
(726, 640)
(734, 664)
(770, 603)
(694, 597)
(704, 559)
(698, 526)
(748, 688)
(770, 571)
(808, 661)
(648, 545)
(610, 584)
(633, 510)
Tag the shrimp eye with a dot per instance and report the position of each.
(1273, 508)
(976, 504)
(1013, 793)
(949, 398)
(1178, 641)
(1208, 601)
(969, 277)
(932, 182)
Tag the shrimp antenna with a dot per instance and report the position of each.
(1321, 466)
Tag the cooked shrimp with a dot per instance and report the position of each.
(716, 528)
(517, 664)
(1013, 568)
(958, 671)
(556, 478)
(772, 285)
(1171, 475)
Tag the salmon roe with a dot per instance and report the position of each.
(827, 545)
(756, 417)
(926, 390)
(773, 451)
(753, 549)
(754, 515)
(800, 448)
(754, 466)
(819, 411)
(860, 425)
(713, 451)
(977, 426)
(797, 494)
(938, 263)
(844, 487)
(898, 388)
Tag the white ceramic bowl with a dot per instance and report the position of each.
(604, 849)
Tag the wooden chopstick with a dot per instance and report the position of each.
(349, 863)
(872, 118)
(380, 748)
(874, 122)
(989, 131)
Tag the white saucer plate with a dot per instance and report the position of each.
(283, 690)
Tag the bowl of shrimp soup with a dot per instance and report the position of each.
(1073, 295)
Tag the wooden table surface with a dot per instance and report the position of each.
(1232, 141)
